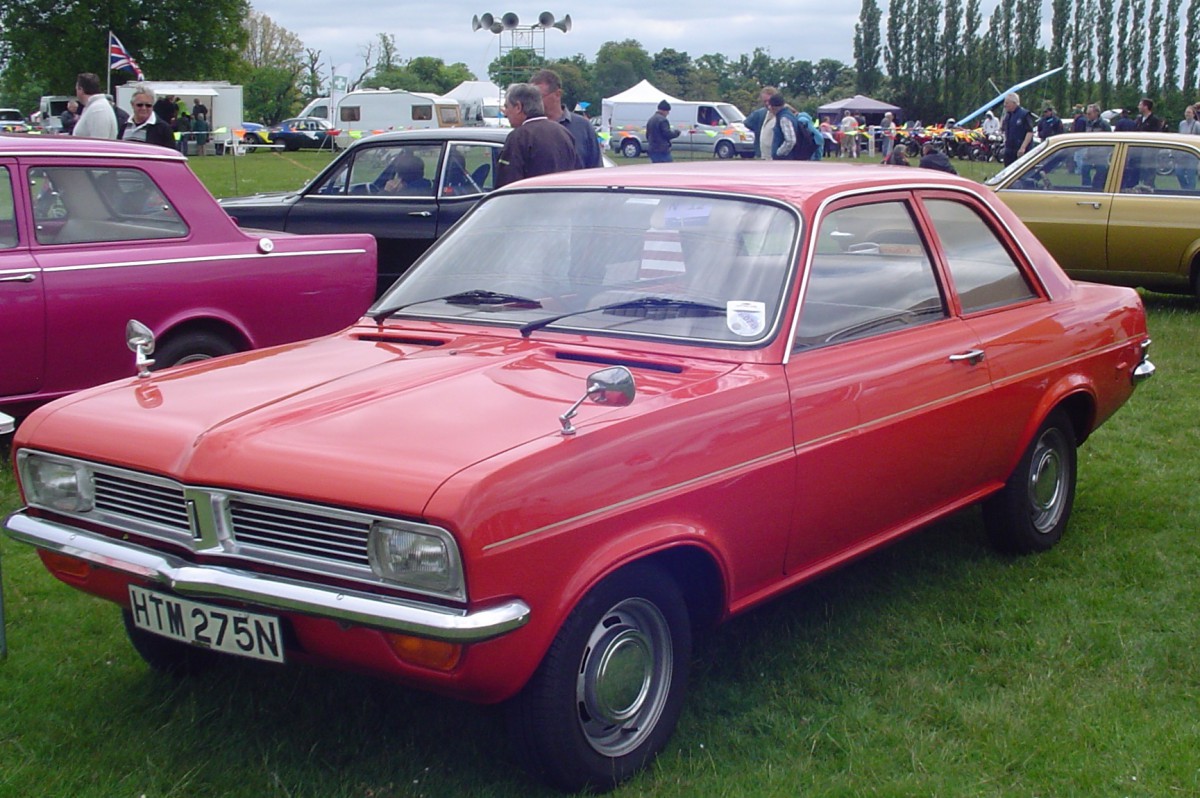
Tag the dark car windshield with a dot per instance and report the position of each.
(588, 259)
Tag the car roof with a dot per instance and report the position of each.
(792, 181)
(491, 134)
(1126, 136)
(69, 146)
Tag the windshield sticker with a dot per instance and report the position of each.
(746, 317)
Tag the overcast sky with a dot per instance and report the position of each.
(799, 29)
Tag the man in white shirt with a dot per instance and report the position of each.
(98, 119)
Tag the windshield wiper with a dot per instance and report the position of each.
(683, 307)
(476, 296)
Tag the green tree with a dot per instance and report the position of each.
(1061, 38)
(1123, 36)
(1170, 79)
(953, 59)
(867, 49)
(1137, 50)
(1154, 46)
(672, 72)
(514, 66)
(1191, 50)
(423, 73)
(270, 94)
(1104, 50)
(170, 39)
(620, 65)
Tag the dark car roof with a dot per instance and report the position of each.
(493, 134)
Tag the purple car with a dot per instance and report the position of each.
(95, 233)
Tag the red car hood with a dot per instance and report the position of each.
(366, 421)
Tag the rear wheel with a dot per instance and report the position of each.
(1031, 511)
(191, 347)
(606, 698)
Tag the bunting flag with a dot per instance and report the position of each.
(120, 59)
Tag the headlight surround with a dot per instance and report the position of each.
(65, 486)
(417, 557)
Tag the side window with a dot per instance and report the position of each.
(984, 272)
(1082, 168)
(8, 213)
(350, 113)
(469, 170)
(871, 274)
(396, 171)
(74, 205)
(1159, 170)
(422, 113)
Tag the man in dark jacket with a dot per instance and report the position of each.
(659, 134)
(586, 144)
(1049, 125)
(1146, 120)
(537, 146)
(144, 125)
(933, 158)
(1017, 128)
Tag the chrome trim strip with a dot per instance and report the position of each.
(200, 259)
(203, 581)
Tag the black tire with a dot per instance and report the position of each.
(1030, 513)
(168, 656)
(577, 725)
(630, 148)
(191, 347)
(290, 146)
(725, 150)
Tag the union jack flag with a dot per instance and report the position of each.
(119, 58)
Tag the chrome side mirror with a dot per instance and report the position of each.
(140, 340)
(612, 386)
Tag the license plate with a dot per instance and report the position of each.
(245, 634)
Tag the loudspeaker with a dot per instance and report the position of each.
(486, 20)
(510, 21)
(496, 27)
(475, 23)
(564, 24)
(545, 19)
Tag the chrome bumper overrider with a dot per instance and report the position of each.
(203, 581)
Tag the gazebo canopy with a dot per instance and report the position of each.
(858, 104)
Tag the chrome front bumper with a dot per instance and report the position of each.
(288, 595)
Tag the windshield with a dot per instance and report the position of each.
(684, 266)
(1017, 165)
(730, 113)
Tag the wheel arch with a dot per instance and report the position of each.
(223, 328)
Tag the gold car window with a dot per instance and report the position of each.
(1159, 170)
(1082, 168)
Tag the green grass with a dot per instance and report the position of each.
(932, 668)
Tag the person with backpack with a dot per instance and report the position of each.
(784, 138)
(810, 145)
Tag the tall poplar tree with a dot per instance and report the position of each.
(866, 49)
(953, 59)
(1104, 49)
(1123, 36)
(1191, 50)
(1154, 47)
(1061, 37)
(1171, 49)
(1137, 52)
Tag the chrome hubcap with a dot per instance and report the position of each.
(624, 678)
(1047, 488)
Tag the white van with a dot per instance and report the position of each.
(714, 128)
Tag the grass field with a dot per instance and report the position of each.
(933, 668)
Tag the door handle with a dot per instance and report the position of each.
(973, 357)
(1094, 204)
(423, 214)
(20, 278)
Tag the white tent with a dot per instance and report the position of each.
(643, 92)
(481, 102)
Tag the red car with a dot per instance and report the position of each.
(95, 233)
(609, 408)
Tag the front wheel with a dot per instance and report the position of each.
(725, 150)
(608, 693)
(630, 148)
(1031, 511)
(191, 347)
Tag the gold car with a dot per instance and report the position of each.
(1120, 208)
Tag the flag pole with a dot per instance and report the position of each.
(107, 59)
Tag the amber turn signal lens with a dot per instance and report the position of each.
(434, 654)
(62, 565)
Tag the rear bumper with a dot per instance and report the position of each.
(203, 581)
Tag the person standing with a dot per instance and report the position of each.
(536, 146)
(69, 117)
(659, 134)
(581, 130)
(887, 134)
(754, 122)
(1190, 124)
(98, 120)
(783, 137)
(144, 125)
(1147, 121)
(849, 135)
(1049, 125)
(1017, 127)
